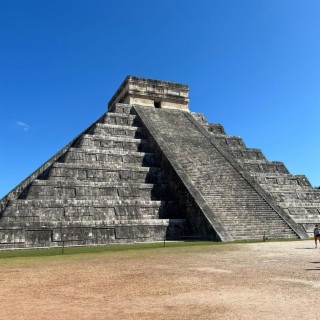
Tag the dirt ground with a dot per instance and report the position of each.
(234, 281)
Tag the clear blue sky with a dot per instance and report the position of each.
(253, 66)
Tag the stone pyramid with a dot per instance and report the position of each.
(148, 170)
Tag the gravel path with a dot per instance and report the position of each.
(234, 281)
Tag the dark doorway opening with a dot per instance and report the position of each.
(157, 104)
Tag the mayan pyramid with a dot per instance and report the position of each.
(149, 169)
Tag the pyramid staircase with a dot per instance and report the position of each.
(293, 193)
(105, 187)
(238, 208)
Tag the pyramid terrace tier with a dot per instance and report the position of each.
(121, 108)
(216, 128)
(232, 142)
(282, 179)
(305, 212)
(121, 119)
(266, 167)
(101, 209)
(247, 154)
(46, 189)
(286, 188)
(55, 233)
(83, 223)
(308, 222)
(117, 142)
(305, 204)
(293, 196)
(102, 171)
(105, 129)
(116, 156)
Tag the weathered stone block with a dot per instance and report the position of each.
(72, 234)
(138, 232)
(103, 235)
(38, 238)
(12, 236)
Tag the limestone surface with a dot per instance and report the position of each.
(155, 171)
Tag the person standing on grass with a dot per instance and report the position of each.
(316, 233)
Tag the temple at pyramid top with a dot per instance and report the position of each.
(149, 92)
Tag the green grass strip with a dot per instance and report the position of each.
(46, 252)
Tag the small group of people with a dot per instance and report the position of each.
(316, 233)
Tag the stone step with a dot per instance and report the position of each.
(238, 231)
(285, 188)
(307, 211)
(269, 237)
(105, 129)
(82, 189)
(229, 141)
(40, 183)
(275, 175)
(252, 220)
(109, 166)
(233, 207)
(201, 118)
(267, 168)
(121, 119)
(243, 231)
(282, 179)
(308, 219)
(217, 135)
(53, 232)
(95, 202)
(49, 216)
(300, 204)
(216, 128)
(96, 156)
(241, 217)
(261, 231)
(50, 234)
(66, 223)
(95, 209)
(248, 162)
(248, 153)
(104, 172)
(120, 108)
(118, 142)
(257, 229)
(234, 212)
(293, 196)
